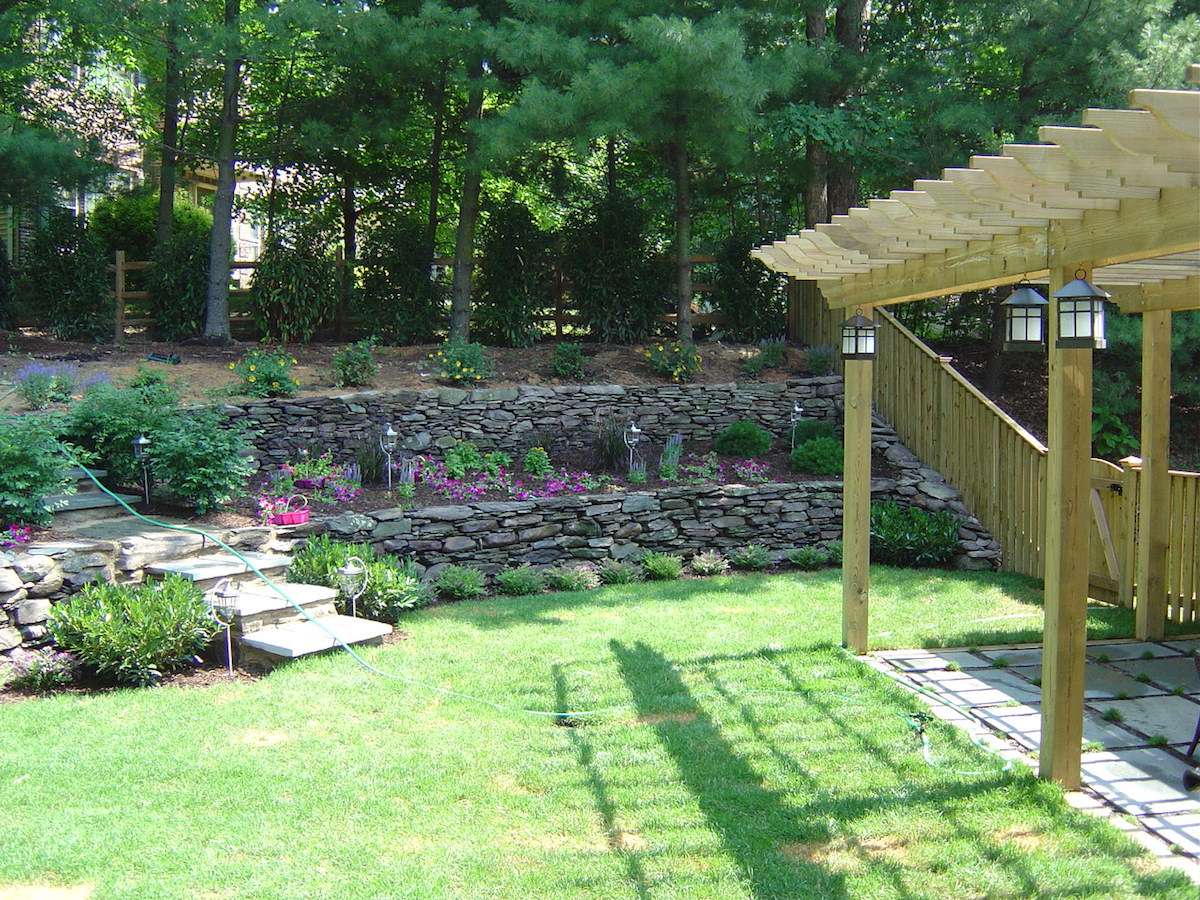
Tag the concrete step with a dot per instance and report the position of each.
(302, 638)
(79, 475)
(258, 606)
(206, 571)
(83, 509)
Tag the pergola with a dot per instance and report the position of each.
(1118, 199)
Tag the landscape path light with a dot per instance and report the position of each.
(223, 602)
(632, 436)
(352, 581)
(794, 420)
(140, 443)
(387, 443)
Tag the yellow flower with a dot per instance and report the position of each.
(231, 366)
(295, 361)
(252, 367)
(478, 377)
(250, 379)
(274, 384)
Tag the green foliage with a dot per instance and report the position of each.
(7, 290)
(462, 363)
(910, 536)
(515, 277)
(662, 566)
(616, 284)
(818, 456)
(178, 284)
(32, 467)
(752, 557)
(676, 360)
(355, 365)
(134, 634)
(571, 578)
(616, 571)
(743, 438)
(65, 277)
(397, 296)
(129, 221)
(608, 442)
(295, 289)
(462, 459)
(146, 377)
(519, 581)
(1114, 400)
(749, 296)
(700, 469)
(266, 372)
(668, 460)
(537, 462)
(807, 429)
(709, 562)
(771, 354)
(40, 384)
(834, 549)
(393, 586)
(495, 461)
(819, 360)
(808, 558)
(41, 671)
(108, 418)
(461, 583)
(567, 361)
(201, 462)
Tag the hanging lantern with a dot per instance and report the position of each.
(858, 337)
(1025, 318)
(1081, 314)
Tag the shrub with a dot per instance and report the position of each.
(462, 363)
(608, 442)
(393, 586)
(32, 467)
(371, 462)
(807, 429)
(710, 562)
(743, 438)
(637, 473)
(178, 283)
(108, 418)
(65, 275)
(662, 566)
(266, 373)
(808, 558)
(537, 462)
(818, 456)
(200, 462)
(771, 354)
(668, 461)
(462, 459)
(834, 549)
(355, 366)
(910, 536)
(496, 461)
(134, 634)
(674, 359)
(519, 581)
(461, 583)
(397, 295)
(571, 578)
(129, 221)
(40, 672)
(754, 557)
(701, 469)
(819, 360)
(749, 296)
(7, 290)
(615, 571)
(567, 361)
(515, 279)
(41, 384)
(295, 289)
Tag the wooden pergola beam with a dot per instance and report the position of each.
(1176, 294)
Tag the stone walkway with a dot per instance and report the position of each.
(1141, 703)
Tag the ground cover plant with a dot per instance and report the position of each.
(732, 755)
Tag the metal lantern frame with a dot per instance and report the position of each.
(140, 443)
(795, 419)
(1025, 319)
(223, 606)
(1081, 314)
(632, 436)
(388, 439)
(352, 577)
(859, 337)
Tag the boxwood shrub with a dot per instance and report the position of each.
(818, 456)
(743, 438)
(910, 536)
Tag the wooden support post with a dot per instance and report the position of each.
(119, 300)
(1068, 483)
(1131, 472)
(1154, 497)
(856, 503)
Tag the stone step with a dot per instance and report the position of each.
(89, 500)
(79, 475)
(258, 606)
(206, 571)
(302, 638)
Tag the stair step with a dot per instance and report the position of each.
(87, 500)
(258, 598)
(79, 475)
(208, 570)
(302, 638)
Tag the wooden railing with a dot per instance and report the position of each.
(1183, 546)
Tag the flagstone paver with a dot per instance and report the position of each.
(1130, 650)
(1100, 681)
(1023, 724)
(929, 660)
(1189, 646)
(979, 687)
(1029, 657)
(1171, 672)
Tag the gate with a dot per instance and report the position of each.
(1111, 553)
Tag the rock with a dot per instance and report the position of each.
(539, 533)
(937, 490)
(32, 568)
(459, 543)
(972, 564)
(500, 539)
(31, 612)
(636, 503)
(445, 513)
(350, 523)
(9, 638)
(901, 457)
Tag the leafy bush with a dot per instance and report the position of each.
(397, 295)
(662, 566)
(537, 462)
(749, 296)
(571, 578)
(32, 467)
(808, 558)
(65, 275)
(355, 366)
(674, 359)
(910, 536)
(41, 384)
(637, 473)
(462, 459)
(701, 469)
(201, 462)
(743, 438)
(371, 462)
(818, 456)
(567, 361)
(462, 363)
(178, 285)
(519, 581)
(108, 418)
(515, 279)
(295, 289)
(710, 562)
(496, 461)
(1113, 400)
(834, 549)
(129, 221)
(819, 360)
(807, 429)
(461, 583)
(134, 634)
(393, 586)
(266, 373)
(7, 290)
(617, 285)
(771, 354)
(616, 571)
(754, 557)
(42, 671)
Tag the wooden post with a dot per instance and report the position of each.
(793, 310)
(856, 503)
(1154, 497)
(119, 300)
(1068, 482)
(1131, 492)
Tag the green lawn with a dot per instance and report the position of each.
(742, 754)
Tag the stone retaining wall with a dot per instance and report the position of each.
(515, 419)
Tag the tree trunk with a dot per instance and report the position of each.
(277, 148)
(993, 374)
(170, 133)
(683, 241)
(848, 30)
(349, 253)
(216, 320)
(435, 165)
(816, 158)
(468, 214)
(842, 188)
(610, 164)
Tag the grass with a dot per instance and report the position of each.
(737, 753)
